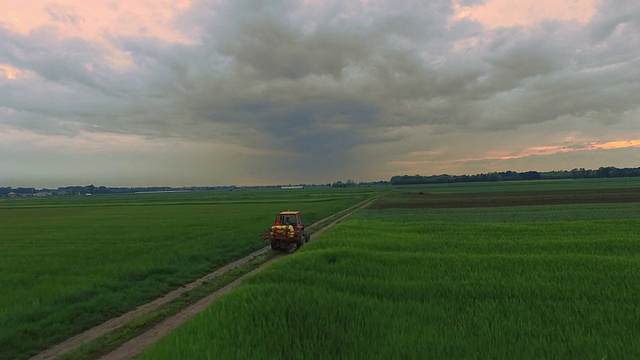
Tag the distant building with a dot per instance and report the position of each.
(12, 194)
(292, 187)
(43, 194)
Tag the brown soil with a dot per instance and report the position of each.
(520, 198)
(136, 346)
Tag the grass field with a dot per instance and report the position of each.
(506, 186)
(543, 282)
(70, 263)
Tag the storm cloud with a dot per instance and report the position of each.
(302, 91)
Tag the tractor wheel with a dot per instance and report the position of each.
(307, 237)
(299, 242)
(274, 247)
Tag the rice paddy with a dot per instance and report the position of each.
(70, 263)
(543, 281)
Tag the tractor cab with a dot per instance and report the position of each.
(286, 232)
(289, 218)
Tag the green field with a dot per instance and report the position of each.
(543, 282)
(506, 186)
(69, 263)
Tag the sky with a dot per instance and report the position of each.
(254, 92)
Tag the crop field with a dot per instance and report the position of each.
(69, 263)
(463, 281)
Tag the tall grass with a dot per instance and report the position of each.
(394, 285)
(70, 263)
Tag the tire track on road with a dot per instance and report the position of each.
(136, 346)
(117, 322)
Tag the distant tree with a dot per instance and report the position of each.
(555, 175)
(25, 191)
(510, 176)
(340, 184)
(531, 175)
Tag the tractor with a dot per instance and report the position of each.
(286, 232)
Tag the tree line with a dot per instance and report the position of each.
(581, 173)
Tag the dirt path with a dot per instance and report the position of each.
(121, 320)
(135, 346)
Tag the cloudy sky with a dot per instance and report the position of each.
(217, 92)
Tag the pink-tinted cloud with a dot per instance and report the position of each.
(615, 144)
(11, 73)
(99, 21)
(506, 13)
(95, 19)
(531, 151)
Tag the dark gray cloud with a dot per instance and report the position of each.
(321, 82)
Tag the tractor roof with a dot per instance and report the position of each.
(289, 213)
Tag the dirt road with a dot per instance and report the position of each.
(136, 346)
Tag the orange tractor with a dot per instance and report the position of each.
(287, 231)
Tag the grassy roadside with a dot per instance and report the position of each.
(138, 325)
